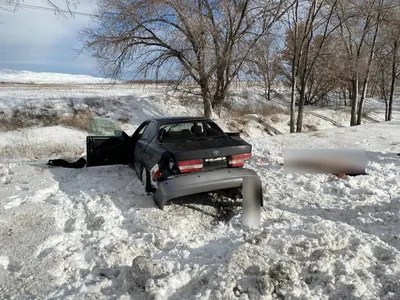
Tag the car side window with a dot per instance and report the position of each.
(149, 132)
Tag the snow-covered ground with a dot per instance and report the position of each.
(93, 233)
(73, 234)
(47, 77)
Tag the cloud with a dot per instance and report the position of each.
(40, 40)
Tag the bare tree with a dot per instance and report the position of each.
(377, 20)
(326, 75)
(359, 24)
(381, 74)
(204, 41)
(387, 63)
(15, 5)
(308, 32)
(263, 63)
(293, 18)
(392, 28)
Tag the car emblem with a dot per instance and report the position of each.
(216, 152)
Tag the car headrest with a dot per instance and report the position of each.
(162, 134)
(198, 130)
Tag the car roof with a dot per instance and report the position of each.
(169, 120)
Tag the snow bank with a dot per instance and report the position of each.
(94, 234)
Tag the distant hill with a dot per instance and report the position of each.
(14, 76)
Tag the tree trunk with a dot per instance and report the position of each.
(267, 88)
(370, 59)
(361, 104)
(386, 109)
(301, 109)
(354, 100)
(269, 92)
(294, 70)
(350, 90)
(293, 104)
(373, 90)
(393, 81)
(206, 101)
(217, 100)
(207, 107)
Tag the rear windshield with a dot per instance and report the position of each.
(189, 131)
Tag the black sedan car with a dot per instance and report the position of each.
(179, 156)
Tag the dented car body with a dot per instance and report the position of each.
(179, 156)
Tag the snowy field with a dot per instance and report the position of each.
(94, 234)
(47, 77)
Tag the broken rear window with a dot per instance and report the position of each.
(188, 130)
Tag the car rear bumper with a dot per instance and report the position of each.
(202, 182)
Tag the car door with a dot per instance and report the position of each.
(108, 150)
(143, 139)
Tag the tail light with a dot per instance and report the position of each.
(156, 174)
(190, 165)
(238, 160)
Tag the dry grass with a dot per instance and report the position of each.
(276, 118)
(27, 118)
(270, 111)
(240, 117)
(265, 110)
(317, 134)
(123, 120)
(242, 121)
(45, 116)
(239, 125)
(7, 124)
(80, 119)
(24, 144)
(40, 151)
(310, 128)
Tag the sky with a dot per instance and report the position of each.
(41, 41)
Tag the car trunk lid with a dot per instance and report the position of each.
(214, 152)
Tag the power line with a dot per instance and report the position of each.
(43, 8)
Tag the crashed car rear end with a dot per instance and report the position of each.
(216, 165)
(177, 157)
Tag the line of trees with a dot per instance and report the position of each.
(319, 48)
(342, 47)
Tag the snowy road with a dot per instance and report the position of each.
(73, 234)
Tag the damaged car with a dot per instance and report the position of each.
(180, 156)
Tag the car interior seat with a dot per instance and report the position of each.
(197, 129)
(162, 134)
